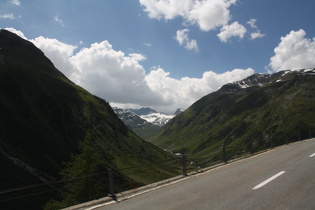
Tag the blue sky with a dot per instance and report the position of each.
(165, 54)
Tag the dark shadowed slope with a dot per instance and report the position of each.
(46, 120)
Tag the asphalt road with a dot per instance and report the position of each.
(283, 178)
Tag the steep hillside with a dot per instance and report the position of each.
(48, 125)
(247, 116)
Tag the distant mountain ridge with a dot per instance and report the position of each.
(144, 121)
(255, 113)
(263, 79)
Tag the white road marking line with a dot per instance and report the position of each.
(268, 180)
(312, 155)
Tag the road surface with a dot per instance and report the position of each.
(283, 178)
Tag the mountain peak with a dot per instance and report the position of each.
(259, 80)
(15, 49)
(256, 113)
(178, 111)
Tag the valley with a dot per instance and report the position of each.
(52, 130)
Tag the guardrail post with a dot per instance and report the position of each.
(224, 153)
(184, 165)
(111, 184)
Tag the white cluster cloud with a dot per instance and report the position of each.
(293, 52)
(58, 20)
(252, 23)
(122, 80)
(233, 30)
(10, 15)
(182, 93)
(137, 56)
(207, 14)
(147, 44)
(183, 40)
(7, 16)
(256, 33)
(112, 75)
(16, 2)
(238, 30)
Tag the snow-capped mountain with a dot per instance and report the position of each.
(144, 122)
(131, 119)
(142, 116)
(158, 119)
(263, 79)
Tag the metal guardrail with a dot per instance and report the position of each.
(180, 162)
(54, 184)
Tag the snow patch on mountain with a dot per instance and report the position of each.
(263, 79)
(158, 119)
(143, 116)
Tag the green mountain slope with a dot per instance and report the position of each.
(245, 120)
(51, 128)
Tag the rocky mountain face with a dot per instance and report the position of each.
(151, 116)
(178, 111)
(256, 113)
(52, 129)
(144, 121)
